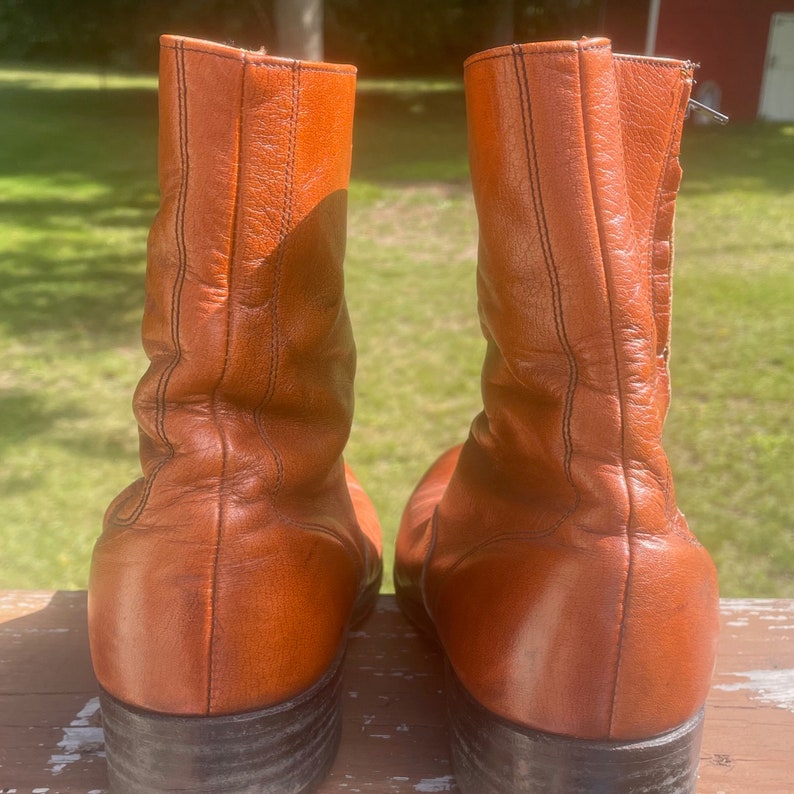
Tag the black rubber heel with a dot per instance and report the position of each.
(285, 749)
(493, 756)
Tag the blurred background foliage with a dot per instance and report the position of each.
(385, 38)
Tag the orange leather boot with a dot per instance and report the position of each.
(576, 611)
(225, 580)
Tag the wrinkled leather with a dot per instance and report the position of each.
(547, 553)
(225, 578)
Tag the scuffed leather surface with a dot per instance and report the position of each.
(547, 552)
(226, 577)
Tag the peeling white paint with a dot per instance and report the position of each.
(83, 716)
(772, 687)
(435, 784)
(755, 606)
(32, 630)
(78, 739)
(19, 599)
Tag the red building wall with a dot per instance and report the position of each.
(729, 40)
(727, 37)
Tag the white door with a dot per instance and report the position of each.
(777, 89)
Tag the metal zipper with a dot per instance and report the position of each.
(699, 107)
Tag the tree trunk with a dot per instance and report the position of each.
(502, 28)
(299, 28)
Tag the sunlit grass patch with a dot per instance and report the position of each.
(78, 192)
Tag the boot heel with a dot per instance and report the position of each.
(493, 756)
(284, 749)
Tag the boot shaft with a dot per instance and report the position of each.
(574, 169)
(254, 164)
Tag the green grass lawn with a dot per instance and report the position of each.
(78, 191)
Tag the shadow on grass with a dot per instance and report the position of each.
(78, 172)
(24, 414)
(77, 169)
(95, 297)
(101, 134)
(410, 135)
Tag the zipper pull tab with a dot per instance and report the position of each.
(699, 107)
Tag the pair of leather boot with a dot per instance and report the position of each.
(546, 555)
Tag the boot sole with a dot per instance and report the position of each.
(284, 749)
(493, 756)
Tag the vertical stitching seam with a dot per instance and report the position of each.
(671, 507)
(554, 279)
(660, 189)
(663, 177)
(272, 374)
(283, 234)
(213, 399)
(176, 292)
(533, 172)
(610, 301)
(276, 332)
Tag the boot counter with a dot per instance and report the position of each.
(614, 639)
(181, 623)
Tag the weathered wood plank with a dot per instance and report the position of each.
(394, 735)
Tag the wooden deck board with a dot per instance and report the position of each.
(394, 738)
